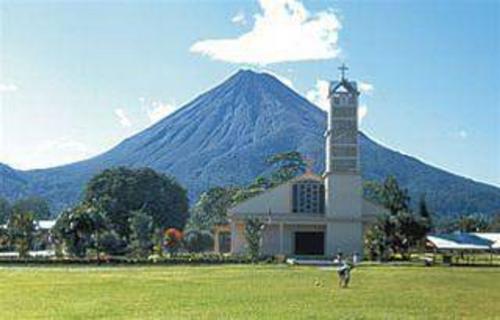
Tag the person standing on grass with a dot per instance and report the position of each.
(344, 273)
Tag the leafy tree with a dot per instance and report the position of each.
(141, 225)
(120, 191)
(80, 229)
(198, 240)
(377, 242)
(389, 194)
(38, 207)
(425, 214)
(5, 210)
(211, 208)
(289, 165)
(253, 236)
(473, 223)
(400, 230)
(495, 223)
(21, 230)
(111, 243)
(173, 240)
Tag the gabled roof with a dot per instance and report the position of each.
(343, 86)
(265, 196)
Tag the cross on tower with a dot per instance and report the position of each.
(343, 68)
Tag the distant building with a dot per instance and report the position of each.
(469, 242)
(314, 215)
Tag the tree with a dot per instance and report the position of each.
(5, 210)
(173, 240)
(120, 191)
(253, 236)
(211, 208)
(80, 229)
(495, 223)
(376, 240)
(425, 214)
(141, 225)
(400, 230)
(389, 194)
(38, 207)
(21, 230)
(111, 243)
(289, 165)
(473, 223)
(198, 240)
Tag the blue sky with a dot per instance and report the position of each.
(76, 78)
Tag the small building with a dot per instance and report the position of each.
(465, 242)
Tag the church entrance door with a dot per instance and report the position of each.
(310, 243)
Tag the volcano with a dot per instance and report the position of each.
(223, 137)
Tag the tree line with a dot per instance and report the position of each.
(138, 212)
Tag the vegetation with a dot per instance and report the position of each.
(20, 229)
(123, 212)
(288, 165)
(248, 292)
(38, 207)
(473, 223)
(120, 191)
(253, 236)
(141, 225)
(211, 209)
(400, 230)
(80, 229)
(5, 210)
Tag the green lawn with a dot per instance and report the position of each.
(248, 292)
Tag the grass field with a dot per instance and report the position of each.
(248, 292)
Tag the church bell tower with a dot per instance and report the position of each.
(343, 184)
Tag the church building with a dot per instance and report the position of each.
(312, 214)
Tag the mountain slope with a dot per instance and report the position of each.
(223, 137)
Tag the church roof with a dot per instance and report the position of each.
(269, 196)
(343, 86)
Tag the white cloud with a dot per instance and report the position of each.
(239, 19)
(123, 118)
(319, 94)
(50, 153)
(365, 87)
(8, 87)
(285, 31)
(157, 110)
(463, 134)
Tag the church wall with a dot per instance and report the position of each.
(278, 200)
(344, 195)
(345, 237)
(271, 240)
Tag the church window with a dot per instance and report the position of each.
(308, 196)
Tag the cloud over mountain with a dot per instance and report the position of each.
(284, 31)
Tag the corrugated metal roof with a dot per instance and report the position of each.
(465, 241)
